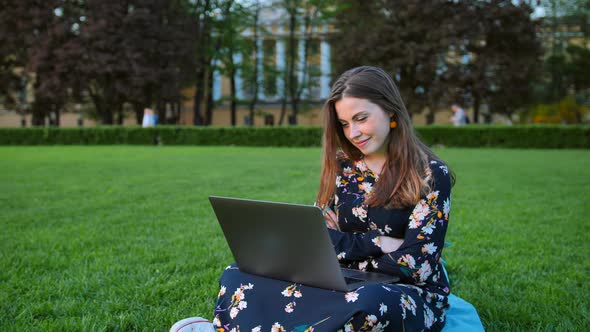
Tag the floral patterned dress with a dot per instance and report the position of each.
(417, 303)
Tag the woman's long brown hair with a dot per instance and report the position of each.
(401, 182)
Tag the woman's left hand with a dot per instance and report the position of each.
(331, 219)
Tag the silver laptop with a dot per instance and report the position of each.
(288, 242)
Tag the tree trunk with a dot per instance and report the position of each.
(430, 117)
(232, 81)
(304, 75)
(284, 99)
(175, 108)
(254, 99)
(138, 110)
(210, 102)
(161, 111)
(203, 36)
(105, 101)
(57, 116)
(252, 106)
(120, 114)
(291, 75)
(283, 110)
(476, 106)
(38, 115)
(107, 116)
(197, 118)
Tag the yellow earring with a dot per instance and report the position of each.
(392, 124)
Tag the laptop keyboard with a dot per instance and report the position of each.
(349, 280)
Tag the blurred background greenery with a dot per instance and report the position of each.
(256, 62)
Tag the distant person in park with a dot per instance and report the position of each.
(459, 117)
(149, 118)
(387, 203)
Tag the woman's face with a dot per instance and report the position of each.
(365, 125)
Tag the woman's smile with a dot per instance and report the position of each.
(362, 143)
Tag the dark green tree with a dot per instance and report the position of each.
(24, 27)
(409, 39)
(139, 52)
(504, 56)
(202, 12)
(485, 51)
(578, 67)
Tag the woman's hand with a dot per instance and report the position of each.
(331, 219)
(389, 244)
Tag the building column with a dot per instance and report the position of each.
(300, 56)
(325, 68)
(260, 65)
(280, 62)
(217, 82)
(237, 62)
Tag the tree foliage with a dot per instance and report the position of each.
(399, 37)
(132, 54)
(24, 25)
(438, 49)
(139, 52)
(505, 57)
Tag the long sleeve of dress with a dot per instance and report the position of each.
(355, 246)
(417, 258)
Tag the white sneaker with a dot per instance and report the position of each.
(193, 324)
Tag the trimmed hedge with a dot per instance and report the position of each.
(166, 135)
(520, 136)
(527, 136)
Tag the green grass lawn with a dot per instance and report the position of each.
(120, 238)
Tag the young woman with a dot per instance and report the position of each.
(387, 202)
